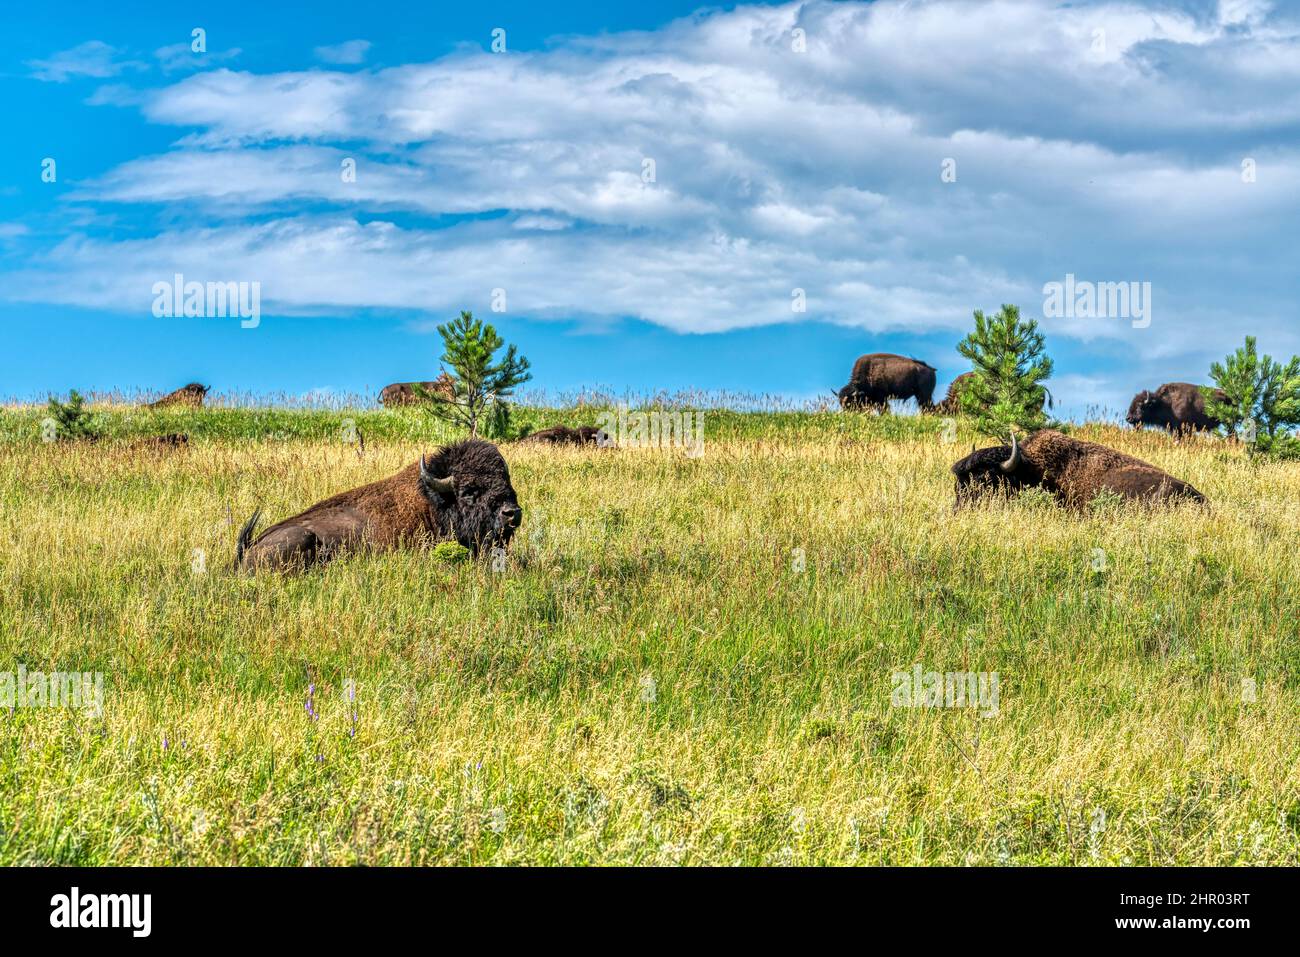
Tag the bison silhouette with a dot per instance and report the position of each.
(462, 493)
(1074, 471)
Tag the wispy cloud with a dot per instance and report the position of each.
(93, 58)
(180, 56)
(350, 52)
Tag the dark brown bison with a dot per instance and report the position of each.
(191, 396)
(951, 404)
(403, 393)
(563, 435)
(882, 376)
(1072, 470)
(462, 493)
(1176, 406)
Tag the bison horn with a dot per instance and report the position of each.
(1013, 463)
(443, 486)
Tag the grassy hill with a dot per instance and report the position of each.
(684, 660)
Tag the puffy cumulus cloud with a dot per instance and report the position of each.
(696, 174)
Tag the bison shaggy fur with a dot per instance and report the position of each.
(1176, 406)
(462, 493)
(1074, 471)
(403, 393)
(190, 396)
(563, 435)
(881, 376)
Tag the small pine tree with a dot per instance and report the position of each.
(1009, 364)
(479, 387)
(72, 420)
(1263, 400)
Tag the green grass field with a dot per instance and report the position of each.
(654, 677)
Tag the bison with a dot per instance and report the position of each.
(951, 404)
(1178, 407)
(1073, 470)
(191, 396)
(462, 493)
(563, 435)
(881, 376)
(403, 393)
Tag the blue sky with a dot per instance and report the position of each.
(793, 146)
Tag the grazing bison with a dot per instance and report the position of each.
(463, 493)
(403, 393)
(191, 395)
(563, 435)
(1072, 470)
(951, 404)
(1176, 406)
(882, 376)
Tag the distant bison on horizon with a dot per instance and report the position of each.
(951, 404)
(463, 493)
(563, 435)
(403, 393)
(190, 396)
(881, 376)
(1071, 469)
(1176, 406)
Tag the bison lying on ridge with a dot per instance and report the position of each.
(1176, 406)
(1072, 470)
(881, 376)
(403, 393)
(191, 395)
(563, 435)
(462, 493)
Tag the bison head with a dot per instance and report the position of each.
(468, 485)
(1000, 468)
(850, 398)
(1142, 409)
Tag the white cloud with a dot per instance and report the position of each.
(93, 58)
(181, 56)
(350, 52)
(695, 175)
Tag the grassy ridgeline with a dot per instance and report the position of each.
(651, 678)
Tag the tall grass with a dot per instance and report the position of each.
(654, 677)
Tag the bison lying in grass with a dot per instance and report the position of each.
(563, 435)
(1074, 471)
(462, 493)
